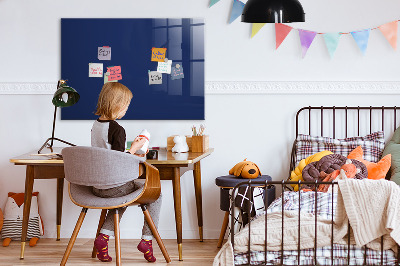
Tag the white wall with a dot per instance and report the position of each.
(259, 127)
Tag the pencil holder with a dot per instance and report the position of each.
(200, 143)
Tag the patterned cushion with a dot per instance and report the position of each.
(372, 144)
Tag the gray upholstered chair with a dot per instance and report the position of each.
(85, 167)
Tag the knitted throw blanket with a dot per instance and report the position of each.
(274, 235)
(373, 209)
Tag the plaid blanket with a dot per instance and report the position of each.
(322, 204)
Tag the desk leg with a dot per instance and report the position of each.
(27, 206)
(176, 182)
(60, 190)
(197, 189)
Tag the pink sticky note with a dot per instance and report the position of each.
(115, 73)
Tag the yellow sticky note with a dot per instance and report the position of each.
(158, 54)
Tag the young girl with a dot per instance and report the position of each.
(114, 100)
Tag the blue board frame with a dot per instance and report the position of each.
(131, 41)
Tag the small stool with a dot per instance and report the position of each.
(226, 183)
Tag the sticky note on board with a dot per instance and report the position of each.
(164, 67)
(95, 70)
(177, 72)
(158, 54)
(155, 77)
(106, 78)
(104, 53)
(115, 73)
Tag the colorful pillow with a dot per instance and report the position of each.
(296, 174)
(372, 144)
(375, 170)
(393, 148)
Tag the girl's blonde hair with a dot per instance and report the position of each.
(113, 98)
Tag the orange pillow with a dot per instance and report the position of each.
(375, 170)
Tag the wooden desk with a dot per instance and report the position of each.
(171, 167)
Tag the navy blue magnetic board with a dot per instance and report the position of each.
(131, 41)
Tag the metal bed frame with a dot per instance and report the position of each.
(284, 183)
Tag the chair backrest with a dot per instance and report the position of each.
(92, 166)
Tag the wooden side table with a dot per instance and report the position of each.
(226, 183)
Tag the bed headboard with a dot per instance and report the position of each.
(344, 121)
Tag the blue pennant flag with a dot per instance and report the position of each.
(361, 37)
(332, 41)
(213, 2)
(237, 9)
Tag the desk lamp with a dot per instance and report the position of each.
(64, 96)
(273, 11)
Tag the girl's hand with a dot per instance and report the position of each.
(143, 155)
(137, 144)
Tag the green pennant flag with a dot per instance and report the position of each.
(332, 41)
(213, 2)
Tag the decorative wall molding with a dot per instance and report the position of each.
(303, 87)
(248, 87)
(28, 88)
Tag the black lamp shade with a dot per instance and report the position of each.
(273, 11)
(65, 96)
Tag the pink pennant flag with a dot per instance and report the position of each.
(281, 31)
(306, 38)
(389, 30)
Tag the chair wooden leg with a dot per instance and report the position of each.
(73, 237)
(154, 230)
(101, 222)
(223, 229)
(117, 239)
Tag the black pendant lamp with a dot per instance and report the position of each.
(273, 11)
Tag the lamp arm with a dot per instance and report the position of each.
(54, 126)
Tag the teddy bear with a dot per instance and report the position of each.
(180, 144)
(245, 169)
(13, 215)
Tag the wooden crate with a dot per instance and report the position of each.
(200, 143)
(171, 143)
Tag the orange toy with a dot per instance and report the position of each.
(245, 169)
(375, 170)
(12, 222)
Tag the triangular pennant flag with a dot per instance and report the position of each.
(332, 41)
(237, 9)
(255, 28)
(306, 38)
(390, 32)
(281, 31)
(213, 2)
(361, 37)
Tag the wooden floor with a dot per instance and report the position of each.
(50, 252)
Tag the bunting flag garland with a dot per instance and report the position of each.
(237, 9)
(256, 27)
(332, 41)
(213, 2)
(281, 31)
(389, 30)
(306, 38)
(361, 37)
